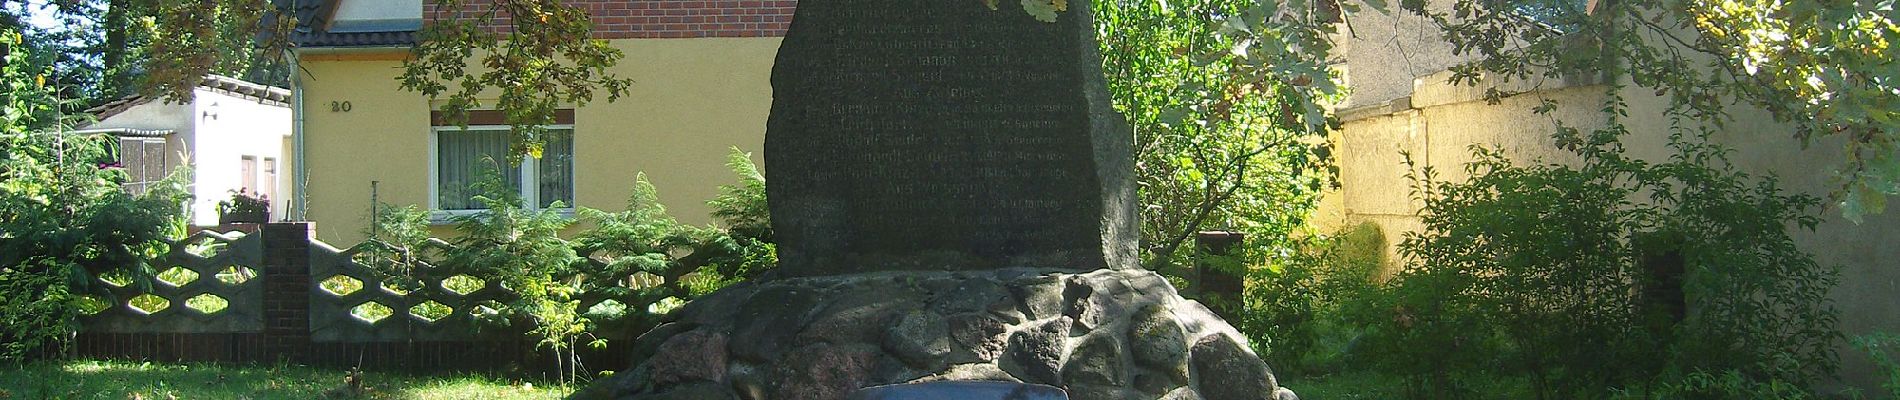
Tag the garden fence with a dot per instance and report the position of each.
(280, 295)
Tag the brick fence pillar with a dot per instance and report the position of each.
(287, 290)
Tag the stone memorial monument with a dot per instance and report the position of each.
(933, 135)
(953, 199)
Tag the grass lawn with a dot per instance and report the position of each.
(120, 380)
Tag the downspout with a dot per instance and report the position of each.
(302, 182)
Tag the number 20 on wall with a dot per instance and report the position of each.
(340, 106)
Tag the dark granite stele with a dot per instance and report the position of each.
(942, 135)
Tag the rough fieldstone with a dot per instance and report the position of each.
(977, 338)
(970, 372)
(649, 342)
(619, 385)
(767, 322)
(1201, 321)
(1284, 394)
(874, 329)
(825, 371)
(1158, 342)
(1097, 361)
(920, 338)
(1041, 297)
(1156, 382)
(692, 356)
(860, 318)
(749, 381)
(1236, 374)
(697, 391)
(1151, 285)
(1184, 393)
(973, 295)
(1084, 391)
(1094, 302)
(1039, 351)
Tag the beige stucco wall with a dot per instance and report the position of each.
(692, 100)
(1438, 123)
(1386, 51)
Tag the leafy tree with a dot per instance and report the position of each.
(535, 53)
(1823, 66)
(63, 217)
(538, 59)
(184, 40)
(1225, 100)
(108, 49)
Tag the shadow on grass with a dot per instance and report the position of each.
(119, 380)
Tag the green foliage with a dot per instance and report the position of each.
(742, 207)
(63, 218)
(1728, 385)
(1521, 263)
(188, 39)
(398, 239)
(244, 207)
(644, 239)
(39, 307)
(524, 250)
(1296, 308)
(1884, 349)
(1824, 66)
(542, 61)
(1224, 99)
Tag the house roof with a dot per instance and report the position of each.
(125, 132)
(262, 94)
(313, 27)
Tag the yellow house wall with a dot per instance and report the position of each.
(691, 101)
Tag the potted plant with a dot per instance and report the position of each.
(244, 207)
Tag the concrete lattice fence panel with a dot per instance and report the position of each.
(351, 302)
(206, 283)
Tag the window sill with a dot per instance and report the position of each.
(447, 217)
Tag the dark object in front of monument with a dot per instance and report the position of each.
(961, 390)
(1215, 282)
(942, 135)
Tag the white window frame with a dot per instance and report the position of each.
(529, 176)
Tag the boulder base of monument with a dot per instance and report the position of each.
(1110, 334)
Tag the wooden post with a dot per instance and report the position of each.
(1221, 289)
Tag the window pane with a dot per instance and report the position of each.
(463, 157)
(556, 169)
(247, 166)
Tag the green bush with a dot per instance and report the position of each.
(1612, 273)
(525, 251)
(1296, 307)
(63, 217)
(1883, 347)
(1728, 385)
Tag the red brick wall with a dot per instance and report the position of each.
(626, 19)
